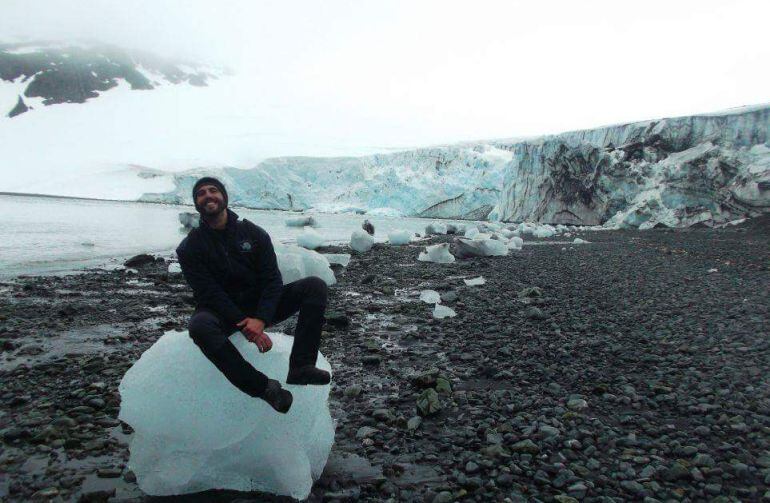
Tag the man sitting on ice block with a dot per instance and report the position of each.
(231, 266)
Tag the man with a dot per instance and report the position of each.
(231, 266)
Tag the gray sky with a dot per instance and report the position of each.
(420, 72)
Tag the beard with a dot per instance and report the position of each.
(211, 210)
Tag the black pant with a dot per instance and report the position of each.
(210, 332)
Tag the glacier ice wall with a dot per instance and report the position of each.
(672, 172)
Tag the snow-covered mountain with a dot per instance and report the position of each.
(43, 73)
(673, 172)
(116, 124)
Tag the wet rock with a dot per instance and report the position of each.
(535, 313)
(428, 403)
(526, 446)
(140, 260)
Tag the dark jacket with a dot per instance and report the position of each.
(232, 272)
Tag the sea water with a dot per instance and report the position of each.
(40, 235)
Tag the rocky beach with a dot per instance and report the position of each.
(631, 367)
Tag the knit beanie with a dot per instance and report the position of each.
(208, 180)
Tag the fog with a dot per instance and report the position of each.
(373, 74)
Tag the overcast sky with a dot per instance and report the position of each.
(399, 73)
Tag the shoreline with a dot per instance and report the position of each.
(620, 368)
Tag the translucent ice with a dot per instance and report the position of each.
(443, 312)
(544, 231)
(471, 231)
(301, 222)
(310, 239)
(297, 263)
(516, 243)
(437, 253)
(174, 268)
(342, 259)
(480, 248)
(360, 241)
(430, 296)
(475, 281)
(579, 241)
(399, 237)
(194, 431)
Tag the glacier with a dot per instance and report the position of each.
(673, 172)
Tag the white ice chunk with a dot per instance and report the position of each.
(430, 296)
(441, 311)
(475, 281)
(480, 248)
(579, 241)
(361, 241)
(297, 263)
(471, 231)
(544, 231)
(342, 259)
(437, 253)
(310, 239)
(516, 243)
(435, 228)
(399, 237)
(195, 431)
(174, 268)
(301, 222)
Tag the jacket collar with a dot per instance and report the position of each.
(232, 219)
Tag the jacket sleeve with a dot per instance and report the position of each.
(269, 275)
(207, 291)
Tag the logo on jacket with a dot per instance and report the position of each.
(246, 246)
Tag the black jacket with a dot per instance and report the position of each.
(233, 272)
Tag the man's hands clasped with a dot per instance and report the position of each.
(254, 330)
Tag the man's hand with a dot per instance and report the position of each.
(254, 330)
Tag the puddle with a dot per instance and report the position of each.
(136, 282)
(81, 341)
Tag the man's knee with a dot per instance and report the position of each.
(316, 291)
(206, 330)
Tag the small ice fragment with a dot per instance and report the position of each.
(174, 268)
(399, 237)
(579, 241)
(475, 281)
(301, 222)
(544, 231)
(443, 312)
(310, 239)
(437, 253)
(516, 243)
(430, 296)
(471, 231)
(360, 241)
(713, 270)
(297, 263)
(342, 259)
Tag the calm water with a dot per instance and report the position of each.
(46, 235)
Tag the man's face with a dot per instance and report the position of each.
(210, 200)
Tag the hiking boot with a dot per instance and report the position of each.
(308, 374)
(280, 399)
